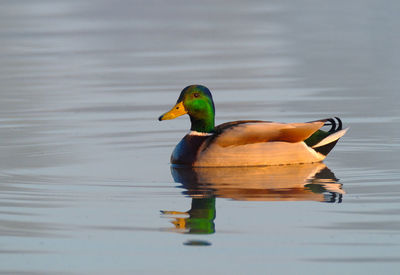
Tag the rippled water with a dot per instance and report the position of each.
(85, 181)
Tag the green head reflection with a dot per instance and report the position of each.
(198, 220)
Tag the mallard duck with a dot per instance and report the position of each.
(246, 142)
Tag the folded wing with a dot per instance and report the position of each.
(248, 132)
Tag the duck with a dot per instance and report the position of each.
(246, 142)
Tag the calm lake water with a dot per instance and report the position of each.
(85, 181)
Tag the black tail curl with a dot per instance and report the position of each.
(335, 123)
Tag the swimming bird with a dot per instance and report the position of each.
(246, 142)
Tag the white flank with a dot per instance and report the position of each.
(331, 138)
(257, 154)
(195, 133)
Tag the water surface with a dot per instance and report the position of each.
(86, 186)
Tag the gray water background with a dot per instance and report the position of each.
(84, 163)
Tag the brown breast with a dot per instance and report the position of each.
(185, 152)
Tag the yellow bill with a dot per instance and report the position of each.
(177, 110)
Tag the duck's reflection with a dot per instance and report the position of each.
(307, 182)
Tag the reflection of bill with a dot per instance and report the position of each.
(308, 182)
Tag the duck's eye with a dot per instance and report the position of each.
(196, 94)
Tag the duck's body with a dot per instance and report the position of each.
(246, 143)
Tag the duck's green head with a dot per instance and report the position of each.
(197, 102)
